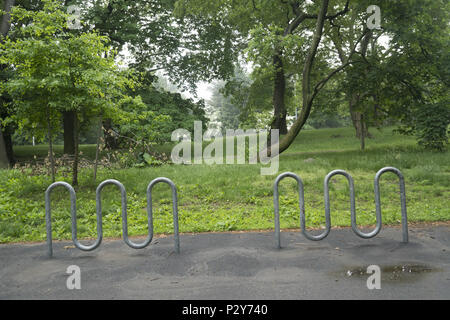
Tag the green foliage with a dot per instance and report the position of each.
(406, 76)
(147, 160)
(56, 70)
(422, 67)
(433, 127)
(172, 110)
(247, 100)
(188, 49)
(322, 119)
(141, 124)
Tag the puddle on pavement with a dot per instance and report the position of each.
(391, 273)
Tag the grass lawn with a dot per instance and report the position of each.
(237, 197)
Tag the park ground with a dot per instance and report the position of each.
(235, 197)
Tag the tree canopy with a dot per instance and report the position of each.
(55, 70)
(270, 60)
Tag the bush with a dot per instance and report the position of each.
(432, 126)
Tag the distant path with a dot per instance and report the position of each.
(238, 266)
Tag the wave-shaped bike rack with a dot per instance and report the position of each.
(96, 244)
(149, 238)
(355, 229)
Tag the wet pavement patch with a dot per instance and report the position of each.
(402, 272)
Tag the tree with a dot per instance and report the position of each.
(57, 71)
(186, 50)
(404, 76)
(249, 99)
(274, 34)
(179, 112)
(309, 93)
(342, 36)
(277, 34)
(6, 154)
(417, 64)
(226, 113)
(407, 80)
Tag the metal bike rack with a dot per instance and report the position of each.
(352, 205)
(149, 238)
(98, 241)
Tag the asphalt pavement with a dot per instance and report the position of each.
(239, 265)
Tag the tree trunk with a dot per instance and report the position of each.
(6, 18)
(76, 153)
(7, 137)
(4, 161)
(306, 82)
(376, 112)
(6, 151)
(69, 132)
(361, 128)
(97, 150)
(357, 117)
(110, 141)
(363, 135)
(359, 123)
(50, 146)
(279, 120)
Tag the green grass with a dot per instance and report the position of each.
(237, 197)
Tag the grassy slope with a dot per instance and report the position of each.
(237, 197)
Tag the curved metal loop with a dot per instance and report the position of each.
(174, 208)
(124, 214)
(276, 203)
(324, 234)
(402, 198)
(73, 212)
(355, 229)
